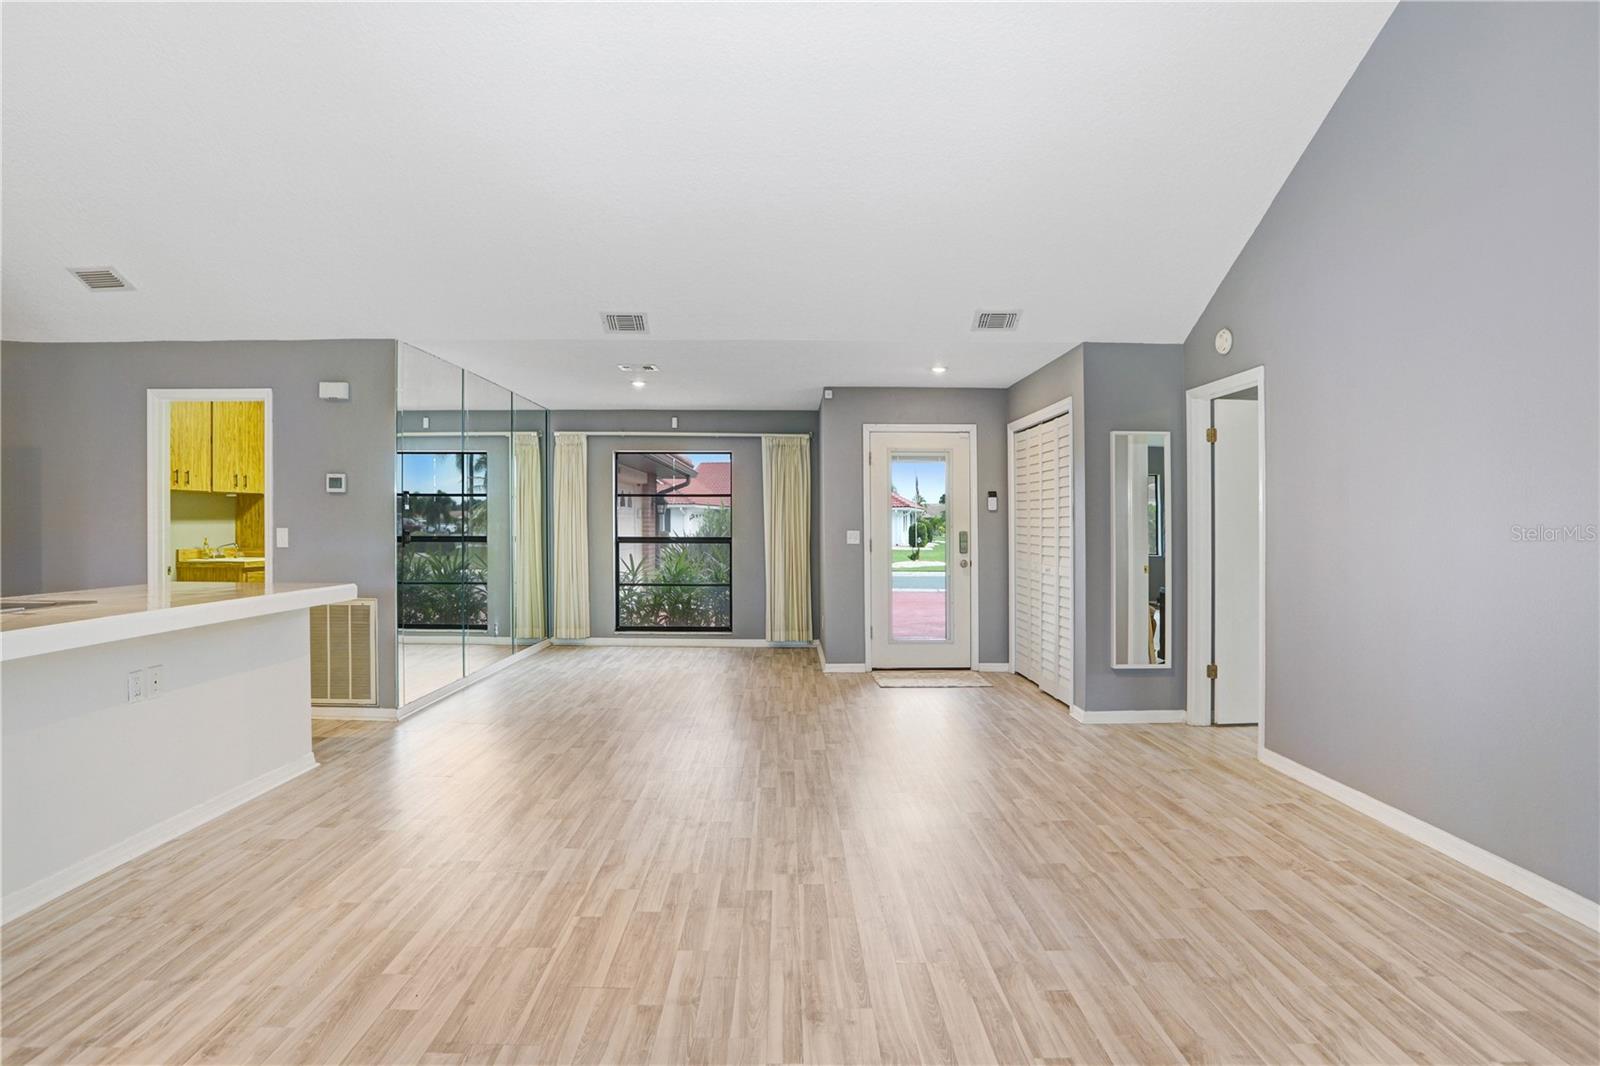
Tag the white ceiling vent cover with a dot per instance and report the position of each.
(101, 279)
(626, 323)
(996, 320)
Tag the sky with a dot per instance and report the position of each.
(906, 474)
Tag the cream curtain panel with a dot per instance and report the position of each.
(786, 501)
(529, 568)
(572, 537)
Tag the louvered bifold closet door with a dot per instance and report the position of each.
(1058, 571)
(1049, 676)
(1042, 586)
(1026, 579)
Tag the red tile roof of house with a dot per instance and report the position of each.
(714, 480)
(897, 500)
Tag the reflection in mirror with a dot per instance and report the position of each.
(1140, 483)
(529, 606)
(437, 504)
(485, 589)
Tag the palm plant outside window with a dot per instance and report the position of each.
(443, 540)
(674, 541)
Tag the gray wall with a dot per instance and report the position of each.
(749, 533)
(74, 461)
(1422, 293)
(1130, 386)
(843, 574)
(1115, 387)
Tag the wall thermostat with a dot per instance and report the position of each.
(333, 390)
(1224, 341)
(335, 482)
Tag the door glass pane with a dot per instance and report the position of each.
(919, 600)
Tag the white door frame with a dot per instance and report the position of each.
(867, 430)
(1028, 421)
(1198, 415)
(158, 498)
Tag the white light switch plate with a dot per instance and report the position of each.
(282, 539)
(852, 536)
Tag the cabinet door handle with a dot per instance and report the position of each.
(236, 481)
(186, 477)
(247, 481)
(174, 475)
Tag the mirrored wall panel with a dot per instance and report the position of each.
(470, 514)
(1140, 488)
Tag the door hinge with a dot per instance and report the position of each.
(1211, 434)
(1211, 671)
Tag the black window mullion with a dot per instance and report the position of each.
(680, 495)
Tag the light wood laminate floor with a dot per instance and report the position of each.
(686, 855)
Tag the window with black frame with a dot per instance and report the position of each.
(443, 540)
(674, 541)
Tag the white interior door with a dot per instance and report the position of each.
(1042, 549)
(1236, 570)
(921, 592)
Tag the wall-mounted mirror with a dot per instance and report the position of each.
(1141, 480)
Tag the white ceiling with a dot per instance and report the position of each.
(797, 195)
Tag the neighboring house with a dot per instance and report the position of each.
(680, 515)
(904, 512)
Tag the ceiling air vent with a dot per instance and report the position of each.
(626, 324)
(101, 279)
(996, 319)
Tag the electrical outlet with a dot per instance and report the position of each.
(152, 682)
(135, 686)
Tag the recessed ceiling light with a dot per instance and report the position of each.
(940, 368)
(638, 383)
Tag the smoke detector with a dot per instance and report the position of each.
(986, 320)
(626, 323)
(101, 279)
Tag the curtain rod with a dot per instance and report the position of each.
(666, 433)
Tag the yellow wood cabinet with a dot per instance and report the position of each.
(238, 446)
(190, 447)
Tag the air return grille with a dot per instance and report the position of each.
(996, 320)
(344, 645)
(626, 323)
(101, 279)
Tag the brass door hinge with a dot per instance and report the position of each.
(1211, 671)
(1211, 434)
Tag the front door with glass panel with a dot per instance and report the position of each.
(920, 551)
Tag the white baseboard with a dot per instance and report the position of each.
(1125, 717)
(1558, 898)
(355, 714)
(424, 702)
(994, 668)
(838, 668)
(36, 895)
(689, 642)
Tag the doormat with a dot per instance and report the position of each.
(929, 679)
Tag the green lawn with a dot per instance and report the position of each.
(932, 553)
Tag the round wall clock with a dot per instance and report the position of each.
(1224, 341)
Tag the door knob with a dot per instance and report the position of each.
(965, 564)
